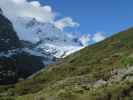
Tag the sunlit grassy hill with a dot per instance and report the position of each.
(103, 71)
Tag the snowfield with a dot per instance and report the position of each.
(47, 37)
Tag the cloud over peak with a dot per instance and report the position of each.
(88, 39)
(97, 37)
(85, 39)
(33, 9)
(65, 22)
(19, 1)
(23, 8)
(44, 13)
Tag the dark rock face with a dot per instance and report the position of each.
(8, 37)
(14, 62)
(7, 71)
(19, 65)
(27, 64)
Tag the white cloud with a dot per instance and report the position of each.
(23, 8)
(97, 37)
(48, 8)
(85, 39)
(33, 9)
(65, 22)
(19, 1)
(35, 3)
(44, 13)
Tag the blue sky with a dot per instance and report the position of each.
(108, 16)
(97, 18)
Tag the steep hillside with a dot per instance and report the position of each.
(103, 71)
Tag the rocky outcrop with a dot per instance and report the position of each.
(8, 37)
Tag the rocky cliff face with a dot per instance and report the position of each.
(8, 37)
(15, 61)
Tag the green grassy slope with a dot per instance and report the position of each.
(102, 71)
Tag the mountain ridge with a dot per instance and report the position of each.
(47, 37)
(17, 60)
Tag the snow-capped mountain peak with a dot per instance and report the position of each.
(47, 37)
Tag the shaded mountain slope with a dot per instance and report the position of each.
(103, 71)
(8, 37)
(15, 63)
